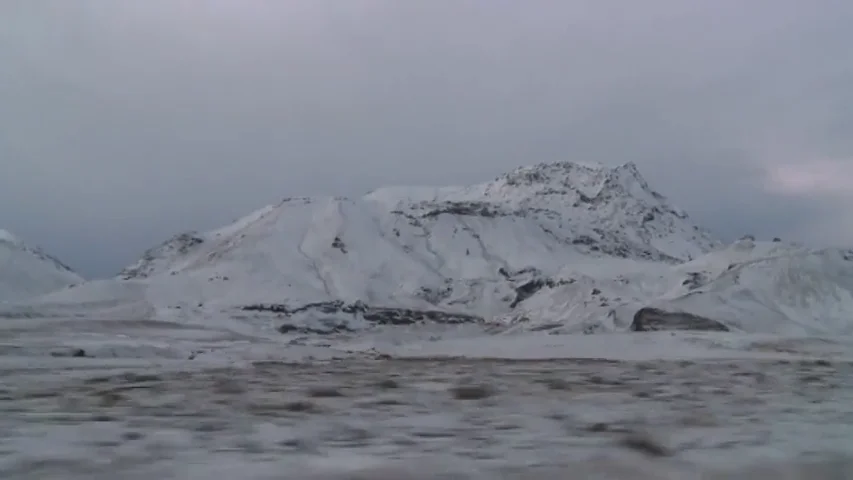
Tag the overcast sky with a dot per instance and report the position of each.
(123, 122)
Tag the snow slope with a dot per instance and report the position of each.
(27, 271)
(748, 286)
(560, 247)
(792, 291)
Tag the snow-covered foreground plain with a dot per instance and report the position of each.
(163, 400)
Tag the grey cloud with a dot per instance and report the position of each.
(125, 122)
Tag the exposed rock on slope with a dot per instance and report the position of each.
(178, 245)
(651, 319)
(360, 313)
(26, 271)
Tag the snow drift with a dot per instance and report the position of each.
(27, 271)
(562, 247)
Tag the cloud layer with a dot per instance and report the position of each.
(125, 122)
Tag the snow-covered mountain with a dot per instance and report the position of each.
(464, 251)
(562, 247)
(27, 271)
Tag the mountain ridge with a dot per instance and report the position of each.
(28, 271)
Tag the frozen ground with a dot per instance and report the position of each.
(159, 400)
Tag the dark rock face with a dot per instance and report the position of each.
(339, 244)
(528, 281)
(287, 328)
(694, 280)
(405, 316)
(653, 319)
(332, 316)
(474, 209)
(525, 291)
(322, 307)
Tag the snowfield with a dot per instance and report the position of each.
(560, 318)
(777, 416)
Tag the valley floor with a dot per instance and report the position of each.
(147, 411)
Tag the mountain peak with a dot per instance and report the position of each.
(562, 168)
(573, 175)
(570, 183)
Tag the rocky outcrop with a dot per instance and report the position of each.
(694, 280)
(654, 319)
(405, 316)
(337, 316)
(179, 245)
(528, 289)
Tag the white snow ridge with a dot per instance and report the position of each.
(562, 247)
(27, 271)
